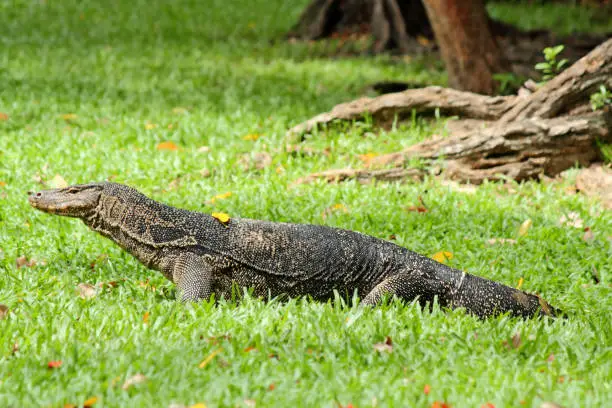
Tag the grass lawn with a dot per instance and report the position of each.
(90, 91)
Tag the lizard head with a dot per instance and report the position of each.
(73, 201)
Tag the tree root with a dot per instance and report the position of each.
(518, 137)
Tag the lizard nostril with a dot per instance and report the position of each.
(38, 194)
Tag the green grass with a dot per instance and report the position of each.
(119, 67)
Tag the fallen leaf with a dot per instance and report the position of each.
(198, 405)
(257, 161)
(220, 197)
(69, 116)
(387, 346)
(502, 241)
(588, 235)
(15, 348)
(440, 404)
(520, 283)
(209, 358)
(4, 116)
(415, 208)
(334, 208)
(487, 405)
(58, 182)
(86, 291)
(133, 380)
(516, 340)
(89, 402)
(54, 364)
(550, 404)
(572, 219)
(596, 181)
(179, 110)
(271, 387)
(205, 173)
(22, 261)
(551, 358)
(150, 126)
(367, 158)
(167, 146)
(223, 218)
(251, 136)
(426, 389)
(442, 256)
(145, 317)
(524, 228)
(4, 310)
(2, 184)
(249, 349)
(424, 41)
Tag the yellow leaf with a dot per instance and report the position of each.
(90, 401)
(222, 217)
(442, 256)
(198, 405)
(3, 116)
(58, 182)
(69, 116)
(150, 126)
(145, 317)
(520, 283)
(367, 158)
(2, 184)
(70, 406)
(220, 197)
(167, 146)
(209, 358)
(179, 110)
(251, 136)
(424, 41)
(525, 227)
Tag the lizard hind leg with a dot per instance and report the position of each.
(409, 286)
(193, 276)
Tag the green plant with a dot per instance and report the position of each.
(508, 82)
(601, 98)
(551, 67)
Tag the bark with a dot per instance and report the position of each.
(518, 137)
(468, 49)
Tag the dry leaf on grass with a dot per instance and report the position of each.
(4, 116)
(86, 290)
(133, 380)
(209, 358)
(57, 182)
(426, 389)
(4, 310)
(251, 136)
(524, 228)
(90, 402)
(145, 317)
(220, 197)
(572, 219)
(386, 347)
(171, 146)
(255, 161)
(596, 181)
(69, 116)
(440, 404)
(54, 364)
(588, 235)
(22, 261)
(334, 209)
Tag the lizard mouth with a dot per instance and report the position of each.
(73, 201)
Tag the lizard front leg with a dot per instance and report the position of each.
(193, 276)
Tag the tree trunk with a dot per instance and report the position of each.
(468, 49)
(518, 137)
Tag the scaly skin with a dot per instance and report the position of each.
(204, 256)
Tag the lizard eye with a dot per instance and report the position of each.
(72, 191)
